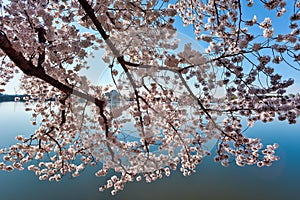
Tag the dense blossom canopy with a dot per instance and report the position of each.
(174, 99)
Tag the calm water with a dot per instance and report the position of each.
(211, 182)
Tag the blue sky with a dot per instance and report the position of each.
(99, 72)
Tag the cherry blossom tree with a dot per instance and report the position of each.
(167, 94)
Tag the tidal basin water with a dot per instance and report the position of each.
(281, 181)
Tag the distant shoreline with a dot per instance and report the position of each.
(14, 98)
(112, 95)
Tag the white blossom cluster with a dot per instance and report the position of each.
(167, 96)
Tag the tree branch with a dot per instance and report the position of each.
(28, 68)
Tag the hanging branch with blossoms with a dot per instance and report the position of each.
(168, 94)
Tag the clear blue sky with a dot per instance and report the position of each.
(99, 72)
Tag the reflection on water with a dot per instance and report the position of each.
(212, 181)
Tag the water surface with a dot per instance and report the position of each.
(211, 182)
